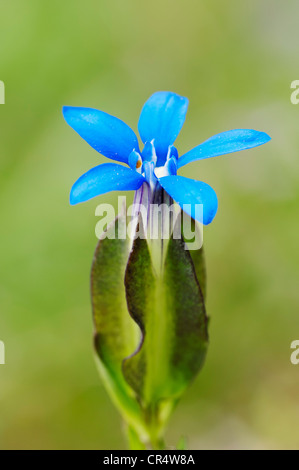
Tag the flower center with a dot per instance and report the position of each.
(146, 163)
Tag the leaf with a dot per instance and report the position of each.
(116, 334)
(198, 258)
(197, 254)
(169, 308)
(140, 285)
(185, 301)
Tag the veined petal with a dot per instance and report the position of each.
(188, 193)
(161, 120)
(226, 142)
(107, 134)
(102, 179)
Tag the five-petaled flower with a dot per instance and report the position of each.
(160, 122)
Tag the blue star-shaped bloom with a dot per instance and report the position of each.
(160, 122)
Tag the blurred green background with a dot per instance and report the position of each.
(235, 62)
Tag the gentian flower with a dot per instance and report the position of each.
(161, 120)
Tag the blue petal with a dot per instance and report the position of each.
(149, 153)
(226, 142)
(102, 179)
(162, 117)
(105, 133)
(187, 193)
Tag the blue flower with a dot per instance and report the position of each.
(162, 117)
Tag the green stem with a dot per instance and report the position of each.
(154, 427)
(135, 443)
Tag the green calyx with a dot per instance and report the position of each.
(150, 327)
